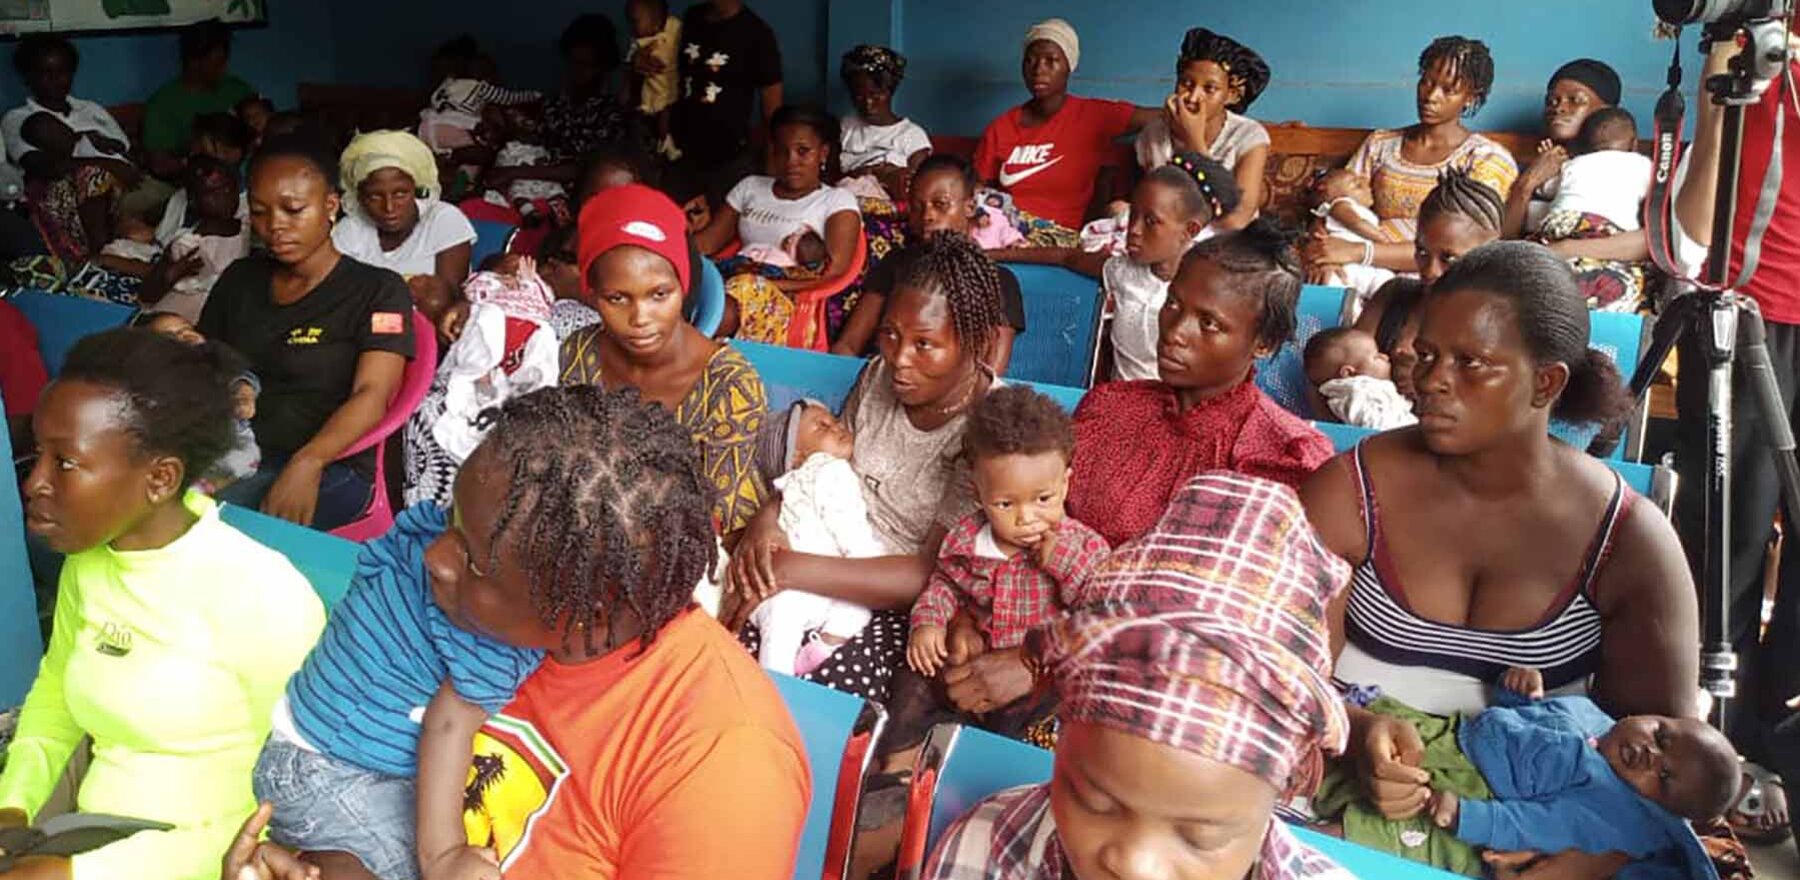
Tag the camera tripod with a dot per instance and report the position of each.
(1728, 328)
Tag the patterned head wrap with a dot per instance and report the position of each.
(1208, 634)
(376, 150)
(1059, 32)
(1244, 68)
(879, 63)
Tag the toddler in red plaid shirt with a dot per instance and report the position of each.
(1010, 566)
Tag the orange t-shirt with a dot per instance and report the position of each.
(682, 762)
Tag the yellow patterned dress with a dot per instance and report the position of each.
(1400, 186)
(724, 411)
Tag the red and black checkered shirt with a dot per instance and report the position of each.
(1008, 596)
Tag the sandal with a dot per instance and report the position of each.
(1760, 815)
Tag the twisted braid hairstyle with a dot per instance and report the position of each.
(607, 505)
(952, 266)
(1244, 69)
(1468, 60)
(1458, 193)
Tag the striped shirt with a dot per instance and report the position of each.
(361, 694)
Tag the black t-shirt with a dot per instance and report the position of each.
(881, 280)
(724, 65)
(305, 353)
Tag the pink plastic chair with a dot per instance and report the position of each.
(414, 384)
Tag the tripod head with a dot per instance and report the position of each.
(1763, 58)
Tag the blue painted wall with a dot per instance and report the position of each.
(389, 42)
(1348, 63)
(295, 47)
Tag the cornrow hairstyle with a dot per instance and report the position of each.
(883, 66)
(34, 47)
(176, 398)
(1208, 188)
(1262, 256)
(1552, 319)
(1468, 61)
(953, 266)
(1244, 69)
(1459, 193)
(1016, 420)
(606, 505)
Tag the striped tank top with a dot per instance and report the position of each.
(1443, 668)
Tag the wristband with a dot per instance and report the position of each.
(1368, 253)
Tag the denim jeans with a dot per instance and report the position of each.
(343, 493)
(326, 805)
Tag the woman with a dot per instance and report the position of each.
(765, 214)
(396, 221)
(1609, 263)
(647, 744)
(908, 412)
(636, 267)
(1436, 520)
(941, 200)
(1216, 79)
(1231, 302)
(583, 118)
(174, 634)
(1401, 167)
(1047, 151)
(328, 336)
(1194, 698)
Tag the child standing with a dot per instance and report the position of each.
(1011, 565)
(806, 456)
(1170, 208)
(876, 141)
(655, 34)
(244, 457)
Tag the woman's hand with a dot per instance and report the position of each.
(249, 859)
(1545, 168)
(1325, 251)
(455, 318)
(1388, 765)
(1571, 865)
(988, 682)
(1186, 129)
(750, 575)
(295, 495)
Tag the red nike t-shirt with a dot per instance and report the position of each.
(1776, 285)
(1050, 169)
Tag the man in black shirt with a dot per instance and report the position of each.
(729, 58)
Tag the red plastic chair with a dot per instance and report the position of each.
(809, 304)
(414, 384)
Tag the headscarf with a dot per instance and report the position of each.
(1243, 67)
(881, 64)
(1596, 75)
(1059, 32)
(637, 215)
(373, 151)
(1208, 634)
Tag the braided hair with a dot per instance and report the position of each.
(1468, 61)
(953, 266)
(607, 504)
(1208, 189)
(883, 66)
(1262, 255)
(1244, 69)
(1553, 321)
(1459, 194)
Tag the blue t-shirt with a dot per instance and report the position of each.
(361, 695)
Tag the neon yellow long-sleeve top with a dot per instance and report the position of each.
(172, 660)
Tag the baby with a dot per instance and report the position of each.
(1348, 380)
(1550, 775)
(1598, 192)
(199, 255)
(1343, 207)
(803, 249)
(992, 227)
(806, 456)
(244, 456)
(133, 248)
(655, 34)
(1010, 565)
(255, 112)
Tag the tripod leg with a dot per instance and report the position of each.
(1718, 663)
(1753, 355)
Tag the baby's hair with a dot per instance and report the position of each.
(1720, 772)
(606, 504)
(1552, 318)
(593, 31)
(954, 267)
(177, 398)
(1016, 420)
(1324, 342)
(303, 146)
(939, 163)
(1262, 258)
(1468, 61)
(1609, 128)
(1403, 297)
(33, 48)
(1458, 193)
(1244, 69)
(1208, 190)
